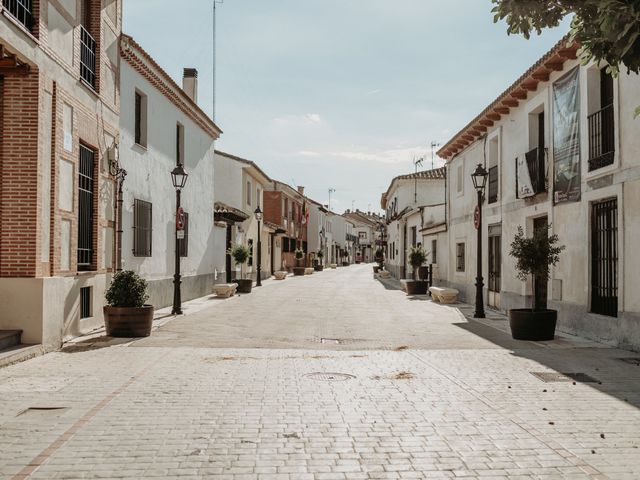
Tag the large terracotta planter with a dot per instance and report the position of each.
(128, 321)
(298, 271)
(416, 287)
(527, 324)
(244, 285)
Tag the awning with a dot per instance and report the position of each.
(225, 213)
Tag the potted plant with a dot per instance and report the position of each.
(298, 270)
(534, 255)
(318, 267)
(126, 314)
(380, 259)
(240, 254)
(417, 257)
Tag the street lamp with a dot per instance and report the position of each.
(258, 215)
(179, 180)
(479, 178)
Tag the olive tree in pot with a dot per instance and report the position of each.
(534, 255)
(417, 257)
(318, 267)
(380, 259)
(240, 254)
(298, 270)
(126, 314)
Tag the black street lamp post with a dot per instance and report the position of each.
(479, 178)
(179, 180)
(258, 214)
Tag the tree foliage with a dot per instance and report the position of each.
(127, 289)
(607, 30)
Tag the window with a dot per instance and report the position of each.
(183, 243)
(414, 236)
(21, 10)
(434, 251)
(460, 257)
(88, 71)
(258, 197)
(140, 119)
(362, 235)
(142, 228)
(248, 193)
(604, 258)
(494, 152)
(460, 180)
(179, 144)
(601, 125)
(250, 245)
(86, 310)
(86, 214)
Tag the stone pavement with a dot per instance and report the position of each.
(412, 389)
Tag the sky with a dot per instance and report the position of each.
(339, 94)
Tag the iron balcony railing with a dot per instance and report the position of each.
(22, 10)
(601, 141)
(87, 57)
(535, 163)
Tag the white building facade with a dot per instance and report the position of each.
(161, 126)
(561, 146)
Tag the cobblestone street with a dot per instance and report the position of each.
(408, 389)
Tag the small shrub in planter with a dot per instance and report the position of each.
(298, 270)
(240, 254)
(126, 314)
(417, 257)
(319, 266)
(534, 255)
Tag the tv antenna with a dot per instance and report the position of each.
(331, 190)
(433, 147)
(417, 163)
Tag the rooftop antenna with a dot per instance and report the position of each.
(213, 111)
(433, 147)
(331, 190)
(417, 163)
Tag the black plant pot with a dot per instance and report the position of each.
(527, 324)
(318, 268)
(423, 272)
(416, 287)
(376, 269)
(244, 285)
(298, 271)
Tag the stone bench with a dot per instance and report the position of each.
(225, 290)
(280, 275)
(308, 271)
(444, 295)
(334, 265)
(384, 274)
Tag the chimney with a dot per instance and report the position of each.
(301, 190)
(190, 83)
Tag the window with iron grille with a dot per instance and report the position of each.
(86, 172)
(460, 257)
(142, 228)
(434, 251)
(604, 258)
(21, 10)
(87, 58)
(602, 126)
(493, 184)
(86, 309)
(183, 243)
(250, 245)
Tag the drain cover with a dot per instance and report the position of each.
(632, 360)
(550, 377)
(329, 377)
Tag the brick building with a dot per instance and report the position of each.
(59, 113)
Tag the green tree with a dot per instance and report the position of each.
(607, 30)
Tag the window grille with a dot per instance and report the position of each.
(85, 208)
(85, 303)
(604, 258)
(21, 10)
(142, 228)
(460, 257)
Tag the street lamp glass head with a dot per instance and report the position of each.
(179, 177)
(479, 178)
(258, 213)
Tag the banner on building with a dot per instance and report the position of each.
(525, 187)
(566, 138)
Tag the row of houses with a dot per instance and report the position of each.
(91, 129)
(562, 151)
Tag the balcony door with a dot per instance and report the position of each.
(495, 266)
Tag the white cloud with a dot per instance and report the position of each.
(308, 153)
(306, 119)
(390, 156)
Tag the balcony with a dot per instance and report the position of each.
(601, 138)
(87, 58)
(21, 10)
(535, 163)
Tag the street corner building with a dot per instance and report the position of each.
(562, 149)
(162, 127)
(59, 114)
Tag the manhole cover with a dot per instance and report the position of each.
(550, 377)
(329, 377)
(330, 341)
(632, 361)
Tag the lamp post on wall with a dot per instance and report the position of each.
(258, 215)
(479, 178)
(179, 180)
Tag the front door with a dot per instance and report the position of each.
(540, 286)
(227, 266)
(495, 266)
